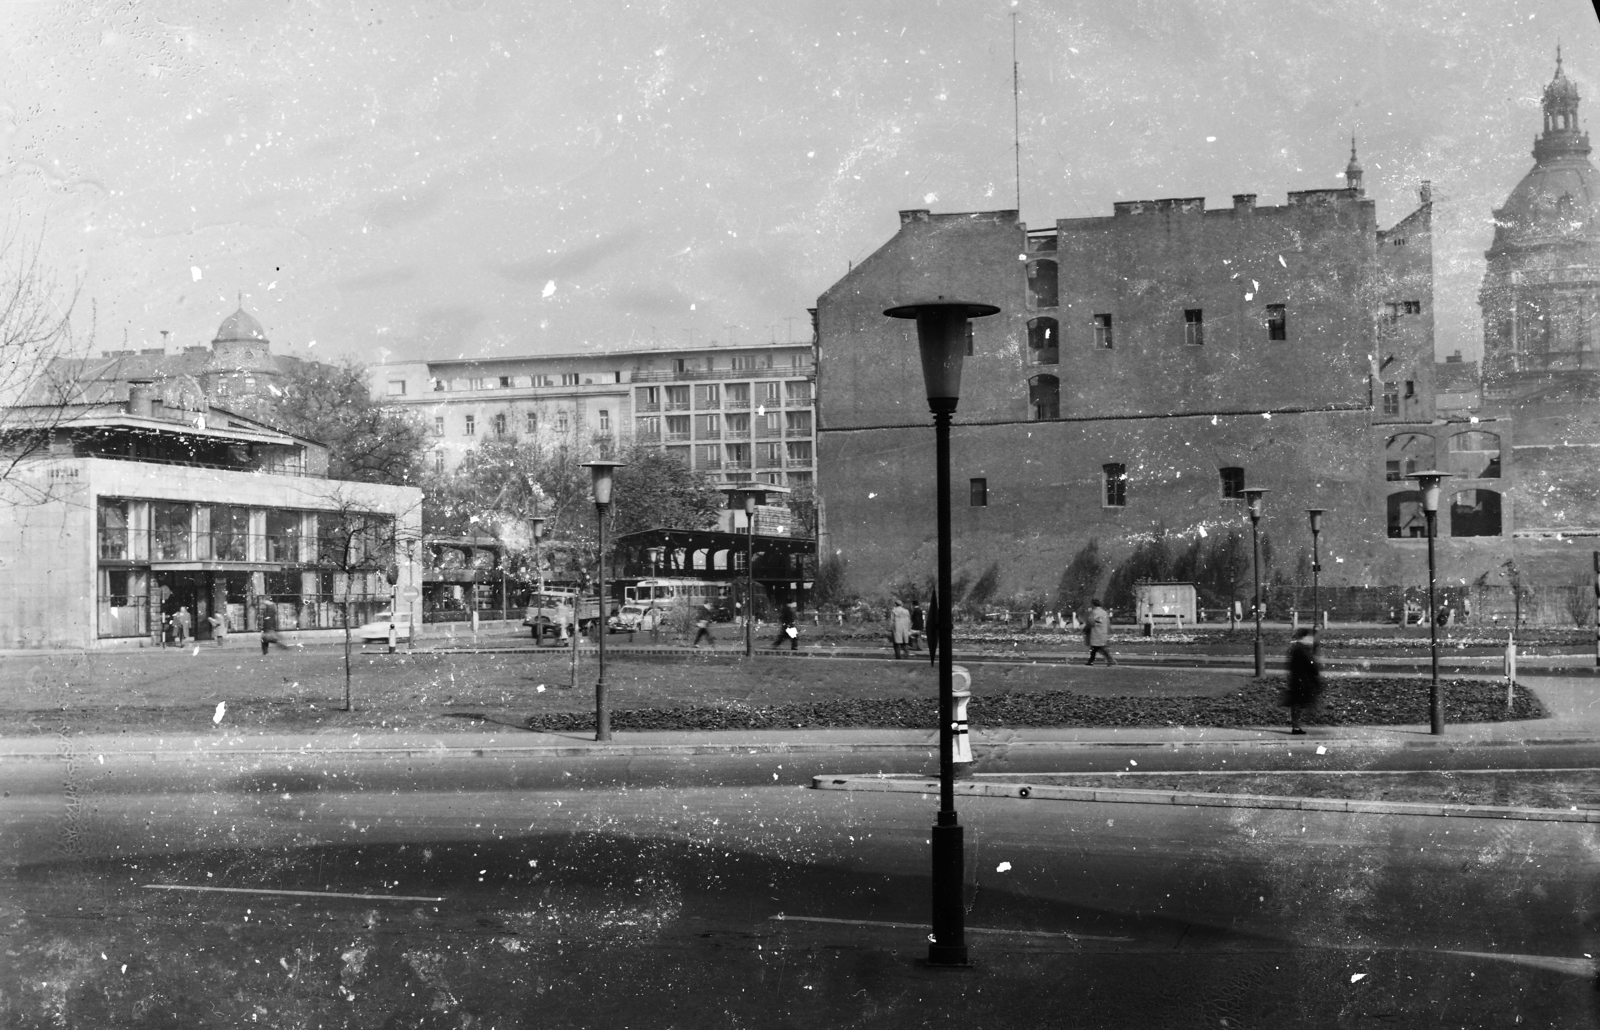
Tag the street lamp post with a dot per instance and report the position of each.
(749, 575)
(1429, 482)
(1252, 500)
(655, 554)
(1316, 564)
(602, 471)
(536, 531)
(942, 340)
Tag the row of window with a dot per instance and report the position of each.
(717, 395)
(142, 531)
(767, 455)
(1114, 486)
(713, 425)
(503, 424)
(1472, 454)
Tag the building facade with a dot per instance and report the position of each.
(739, 414)
(129, 510)
(1144, 368)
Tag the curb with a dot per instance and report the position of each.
(1197, 799)
(55, 752)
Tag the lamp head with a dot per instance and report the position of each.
(750, 503)
(655, 554)
(1316, 518)
(1252, 500)
(536, 523)
(1428, 482)
(942, 338)
(602, 470)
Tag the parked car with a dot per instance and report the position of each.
(635, 618)
(378, 628)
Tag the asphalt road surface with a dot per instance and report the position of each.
(271, 900)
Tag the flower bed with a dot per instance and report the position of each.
(1358, 701)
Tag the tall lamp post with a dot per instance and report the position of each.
(749, 575)
(601, 471)
(655, 554)
(536, 531)
(942, 340)
(1429, 482)
(1316, 564)
(1252, 500)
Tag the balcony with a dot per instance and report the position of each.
(677, 406)
(677, 438)
(709, 463)
(737, 404)
(702, 374)
(736, 463)
(647, 437)
(798, 402)
(644, 407)
(709, 434)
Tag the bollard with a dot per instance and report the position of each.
(391, 635)
(961, 744)
(474, 626)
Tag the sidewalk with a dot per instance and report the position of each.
(1574, 704)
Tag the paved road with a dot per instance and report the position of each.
(658, 906)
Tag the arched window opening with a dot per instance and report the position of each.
(1475, 513)
(1405, 454)
(1406, 518)
(1475, 455)
(1044, 341)
(1044, 397)
(1042, 283)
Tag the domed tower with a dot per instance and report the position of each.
(1541, 319)
(1353, 172)
(241, 363)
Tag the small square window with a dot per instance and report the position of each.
(1102, 332)
(1232, 483)
(1277, 322)
(1194, 327)
(1115, 475)
(1391, 398)
(980, 493)
(505, 382)
(397, 388)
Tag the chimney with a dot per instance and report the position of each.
(141, 398)
(1425, 194)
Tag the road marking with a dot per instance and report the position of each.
(293, 894)
(780, 917)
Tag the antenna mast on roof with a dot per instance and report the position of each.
(1016, 112)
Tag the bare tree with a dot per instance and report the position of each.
(41, 354)
(361, 545)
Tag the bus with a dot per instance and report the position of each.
(668, 593)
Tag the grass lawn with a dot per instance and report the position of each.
(301, 691)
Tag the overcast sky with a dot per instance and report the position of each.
(453, 178)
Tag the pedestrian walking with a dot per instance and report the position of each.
(182, 623)
(1303, 686)
(787, 630)
(219, 627)
(918, 623)
(1097, 633)
(269, 625)
(702, 625)
(899, 627)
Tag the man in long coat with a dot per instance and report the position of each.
(1097, 633)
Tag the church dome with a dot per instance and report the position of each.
(240, 326)
(1558, 201)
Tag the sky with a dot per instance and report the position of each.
(455, 178)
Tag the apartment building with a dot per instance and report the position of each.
(738, 413)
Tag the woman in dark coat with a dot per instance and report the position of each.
(1304, 686)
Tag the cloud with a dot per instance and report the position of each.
(568, 263)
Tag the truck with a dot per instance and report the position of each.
(550, 611)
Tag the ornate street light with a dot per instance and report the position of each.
(1316, 564)
(1252, 501)
(1429, 482)
(602, 471)
(942, 339)
(536, 533)
(655, 554)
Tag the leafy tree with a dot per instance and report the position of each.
(1081, 578)
(657, 490)
(367, 442)
(829, 585)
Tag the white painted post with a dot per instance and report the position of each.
(1511, 666)
(474, 626)
(960, 694)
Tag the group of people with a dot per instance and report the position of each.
(788, 626)
(907, 626)
(178, 627)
